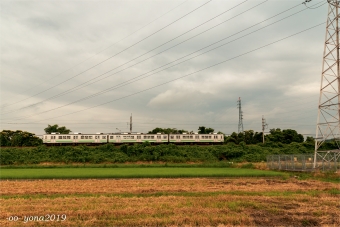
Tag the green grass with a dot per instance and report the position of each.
(69, 173)
(125, 165)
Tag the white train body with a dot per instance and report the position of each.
(127, 138)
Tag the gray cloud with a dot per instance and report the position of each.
(44, 42)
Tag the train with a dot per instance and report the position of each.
(56, 139)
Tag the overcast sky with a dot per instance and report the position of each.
(88, 65)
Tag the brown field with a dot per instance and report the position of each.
(173, 202)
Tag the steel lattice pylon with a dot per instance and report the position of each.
(328, 123)
(240, 115)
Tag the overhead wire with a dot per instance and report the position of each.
(123, 49)
(54, 76)
(86, 82)
(305, 3)
(125, 83)
(181, 77)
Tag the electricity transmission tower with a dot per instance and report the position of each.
(240, 116)
(264, 126)
(328, 121)
(131, 123)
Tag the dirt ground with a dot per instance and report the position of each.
(170, 202)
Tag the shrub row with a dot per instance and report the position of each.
(145, 152)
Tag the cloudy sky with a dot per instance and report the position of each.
(88, 65)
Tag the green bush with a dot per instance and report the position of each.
(144, 152)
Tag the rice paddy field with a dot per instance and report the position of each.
(234, 200)
(72, 173)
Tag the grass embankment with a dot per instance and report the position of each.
(178, 202)
(156, 172)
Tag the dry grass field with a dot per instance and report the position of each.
(172, 202)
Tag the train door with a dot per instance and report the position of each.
(52, 137)
(178, 138)
(158, 138)
(197, 138)
(139, 138)
(165, 138)
(97, 139)
(118, 140)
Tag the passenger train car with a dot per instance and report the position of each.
(56, 139)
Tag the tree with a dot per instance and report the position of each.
(56, 128)
(167, 131)
(18, 138)
(204, 130)
(291, 135)
(286, 136)
(310, 139)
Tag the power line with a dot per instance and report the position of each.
(134, 79)
(122, 50)
(54, 76)
(181, 77)
(85, 83)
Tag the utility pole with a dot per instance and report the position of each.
(240, 115)
(264, 126)
(131, 123)
(328, 121)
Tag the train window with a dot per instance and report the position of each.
(86, 137)
(152, 137)
(196, 137)
(138, 137)
(178, 137)
(159, 137)
(68, 137)
(171, 137)
(165, 137)
(209, 137)
(90, 137)
(111, 137)
(82, 137)
(104, 137)
(60, 137)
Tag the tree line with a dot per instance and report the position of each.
(286, 136)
